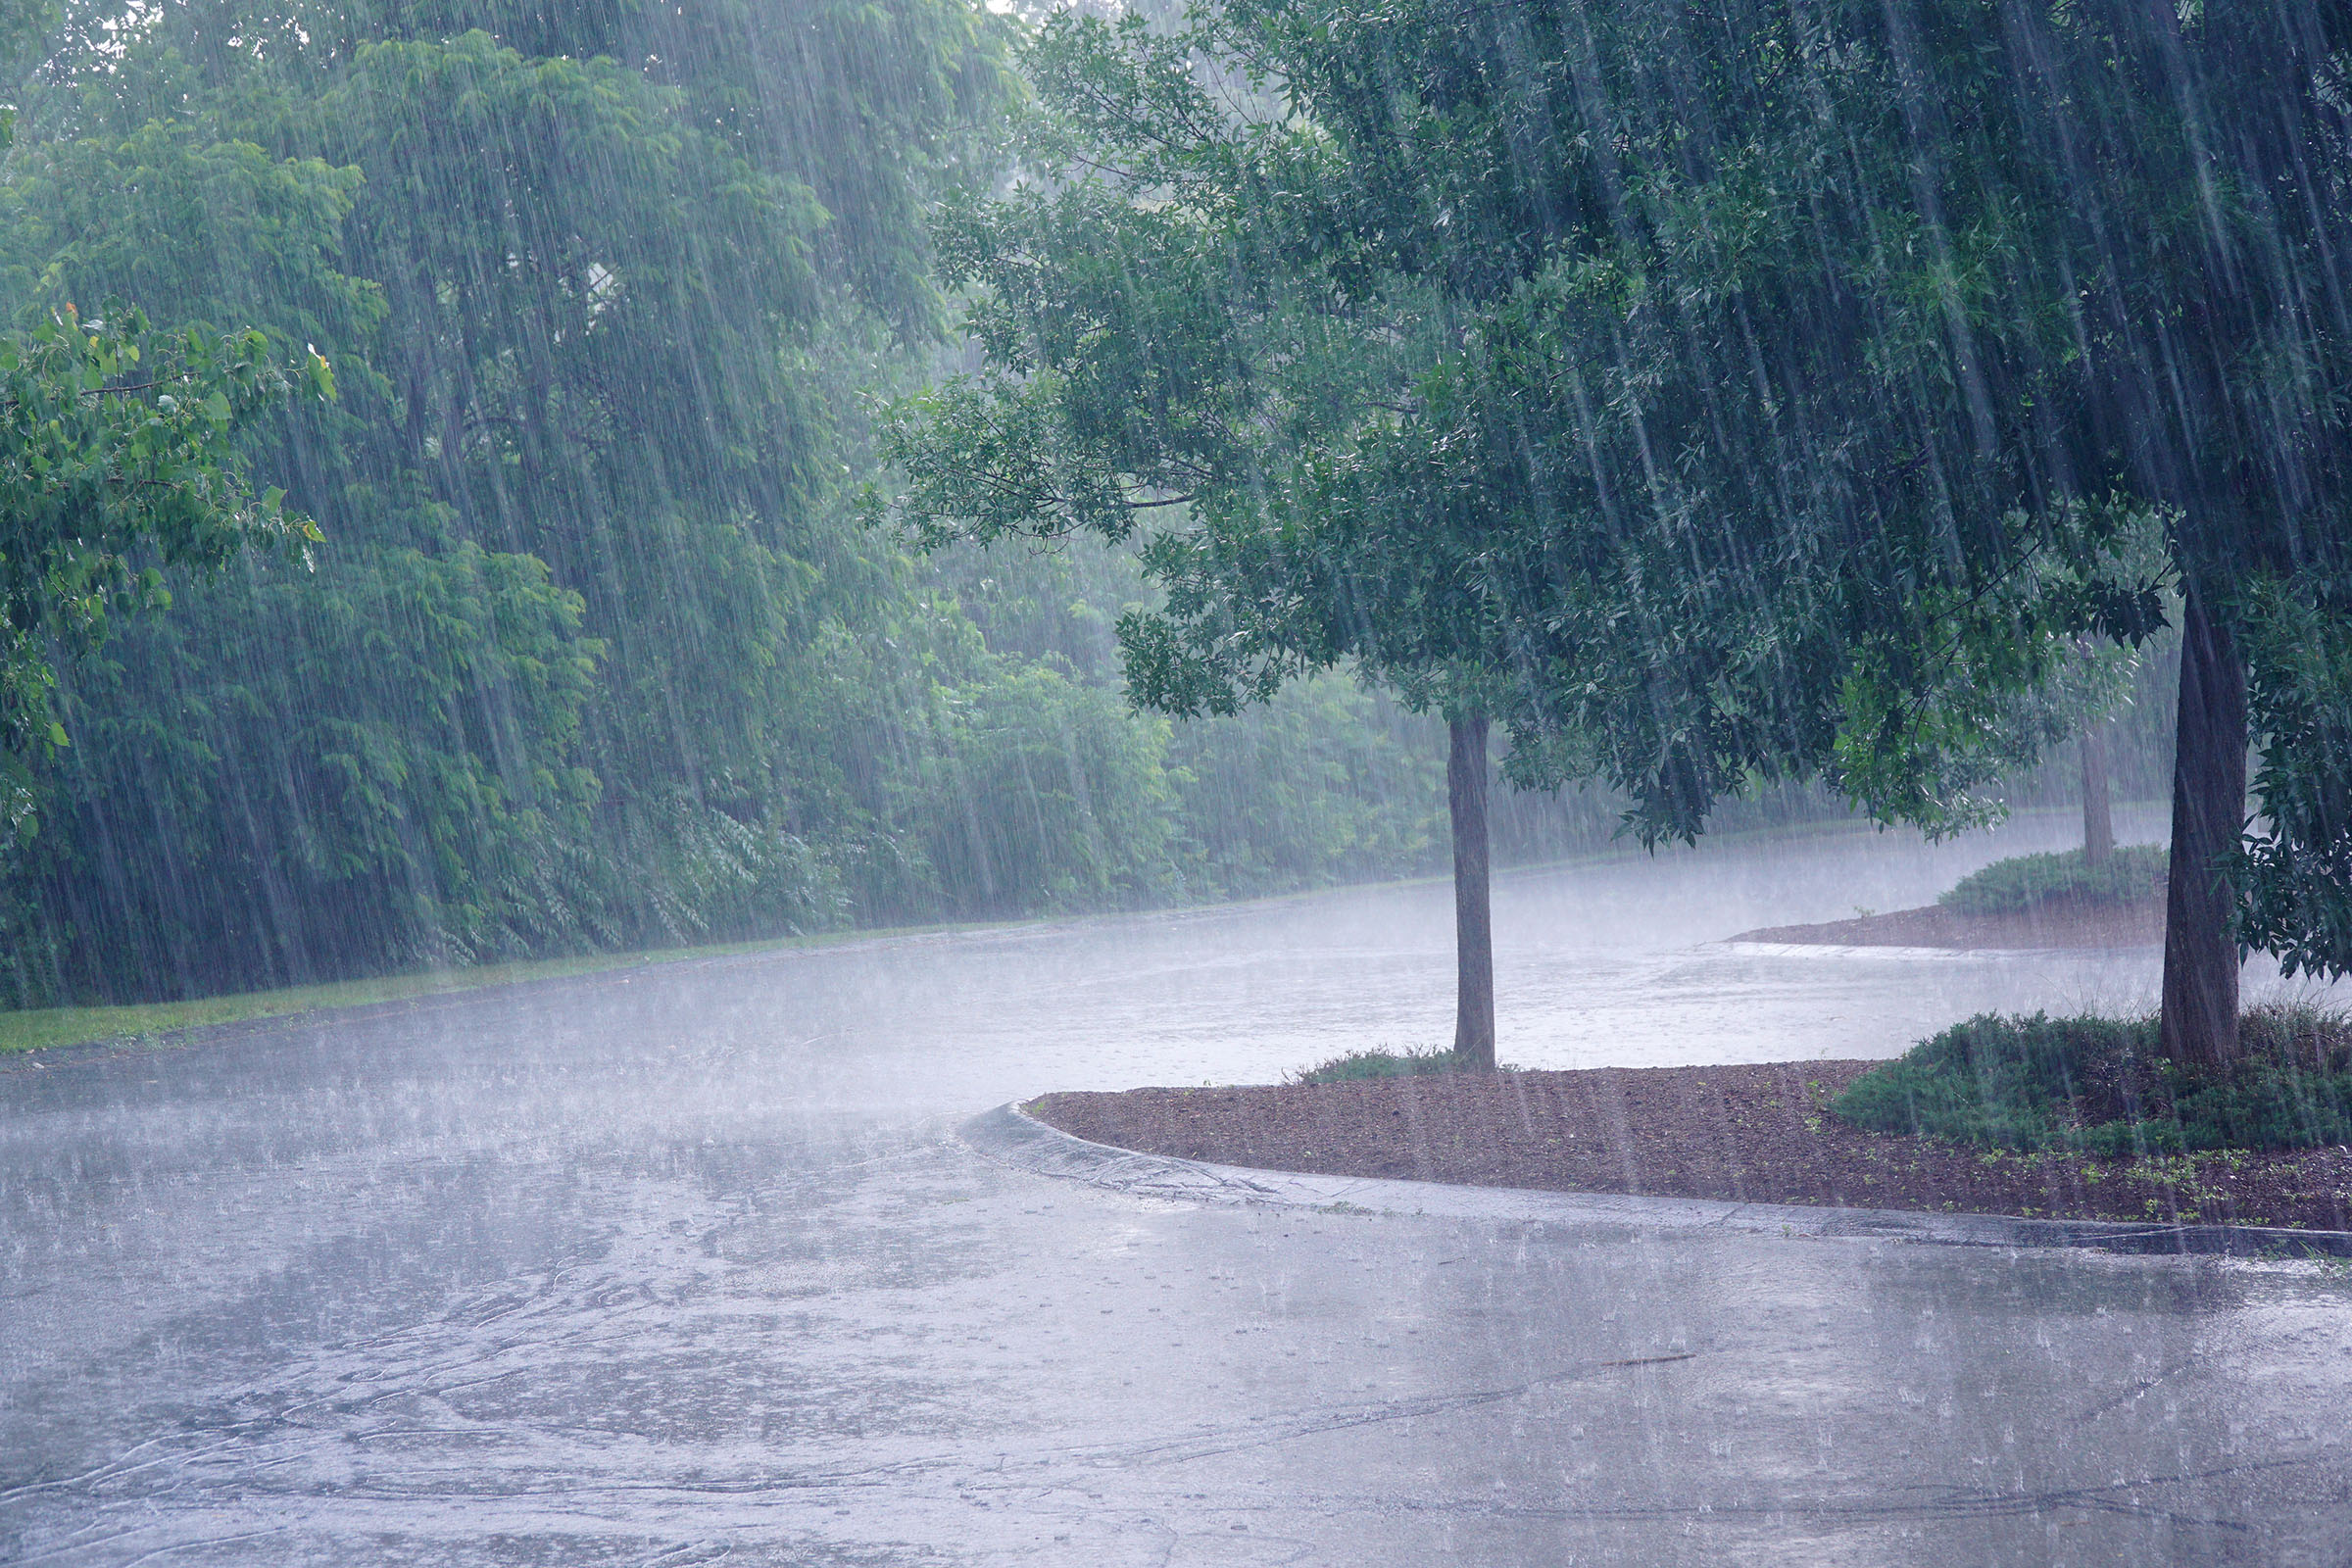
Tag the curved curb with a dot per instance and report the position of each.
(1010, 1137)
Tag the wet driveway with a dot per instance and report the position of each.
(686, 1265)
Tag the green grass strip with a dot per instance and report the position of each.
(47, 1028)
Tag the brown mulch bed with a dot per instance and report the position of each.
(2050, 924)
(1758, 1134)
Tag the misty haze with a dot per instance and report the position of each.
(1266, 782)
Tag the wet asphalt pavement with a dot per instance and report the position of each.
(686, 1265)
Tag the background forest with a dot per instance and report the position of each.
(597, 651)
(600, 650)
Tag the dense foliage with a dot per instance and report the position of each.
(2297, 868)
(116, 461)
(2097, 1085)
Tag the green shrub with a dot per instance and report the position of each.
(2129, 874)
(2097, 1085)
(1382, 1064)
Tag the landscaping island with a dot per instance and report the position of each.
(2049, 923)
(2049, 1119)
(2044, 1118)
(1754, 1134)
(2032, 901)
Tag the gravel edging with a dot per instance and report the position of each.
(1010, 1137)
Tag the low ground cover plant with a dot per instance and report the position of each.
(2097, 1085)
(2125, 876)
(1383, 1064)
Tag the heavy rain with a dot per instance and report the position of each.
(1515, 782)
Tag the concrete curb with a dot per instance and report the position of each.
(1010, 1137)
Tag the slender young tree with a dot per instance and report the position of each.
(1327, 376)
(1473, 893)
(1180, 349)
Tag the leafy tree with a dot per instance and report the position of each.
(1159, 344)
(250, 755)
(126, 459)
(1983, 266)
(1376, 404)
(118, 460)
(1325, 781)
(1785, 387)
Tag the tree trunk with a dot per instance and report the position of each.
(2098, 824)
(2209, 817)
(1473, 912)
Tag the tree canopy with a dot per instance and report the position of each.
(1389, 421)
(1739, 392)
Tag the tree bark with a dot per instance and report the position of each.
(2201, 961)
(1473, 910)
(2098, 822)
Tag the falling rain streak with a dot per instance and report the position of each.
(617, 617)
